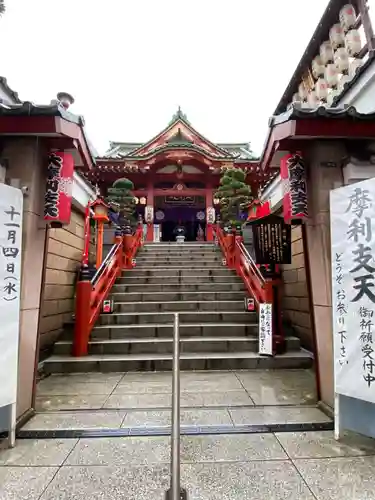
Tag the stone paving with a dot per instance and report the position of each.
(275, 466)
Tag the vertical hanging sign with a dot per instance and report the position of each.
(149, 214)
(353, 289)
(11, 206)
(59, 187)
(210, 215)
(265, 329)
(293, 176)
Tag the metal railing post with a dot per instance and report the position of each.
(175, 492)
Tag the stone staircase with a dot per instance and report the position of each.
(216, 332)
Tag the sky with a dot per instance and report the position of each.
(129, 64)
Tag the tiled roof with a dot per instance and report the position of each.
(53, 109)
(296, 111)
(241, 151)
(121, 150)
(27, 108)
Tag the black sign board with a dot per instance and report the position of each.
(271, 240)
(180, 200)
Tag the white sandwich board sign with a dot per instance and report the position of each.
(11, 207)
(353, 301)
(265, 329)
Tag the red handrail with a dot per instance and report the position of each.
(257, 285)
(131, 245)
(90, 294)
(264, 290)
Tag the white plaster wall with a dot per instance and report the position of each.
(82, 193)
(362, 94)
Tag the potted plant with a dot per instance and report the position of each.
(235, 196)
(121, 199)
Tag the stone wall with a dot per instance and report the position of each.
(296, 306)
(64, 254)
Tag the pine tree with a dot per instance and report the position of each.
(2, 7)
(120, 196)
(234, 195)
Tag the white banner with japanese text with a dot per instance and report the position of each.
(11, 206)
(353, 289)
(265, 329)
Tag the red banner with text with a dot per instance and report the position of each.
(293, 176)
(59, 187)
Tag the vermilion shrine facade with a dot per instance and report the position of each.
(175, 177)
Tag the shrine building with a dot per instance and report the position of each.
(175, 176)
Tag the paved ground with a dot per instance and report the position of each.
(293, 466)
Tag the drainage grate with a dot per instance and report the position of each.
(166, 431)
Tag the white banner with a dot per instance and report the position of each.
(11, 205)
(265, 329)
(353, 289)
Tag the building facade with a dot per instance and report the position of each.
(334, 74)
(175, 176)
(50, 256)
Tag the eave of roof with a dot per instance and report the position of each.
(224, 145)
(231, 151)
(171, 147)
(28, 109)
(289, 124)
(297, 112)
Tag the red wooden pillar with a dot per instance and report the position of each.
(209, 208)
(149, 212)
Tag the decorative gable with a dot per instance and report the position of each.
(179, 139)
(180, 132)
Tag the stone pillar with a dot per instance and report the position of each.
(150, 203)
(209, 206)
(27, 166)
(320, 180)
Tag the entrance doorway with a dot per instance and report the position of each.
(186, 216)
(191, 227)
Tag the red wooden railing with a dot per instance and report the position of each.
(264, 290)
(91, 293)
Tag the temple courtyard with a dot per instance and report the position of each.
(106, 436)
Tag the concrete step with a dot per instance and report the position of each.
(129, 280)
(145, 272)
(172, 244)
(178, 264)
(183, 269)
(123, 331)
(180, 255)
(178, 306)
(165, 345)
(179, 287)
(196, 254)
(178, 296)
(163, 362)
(145, 318)
(212, 257)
